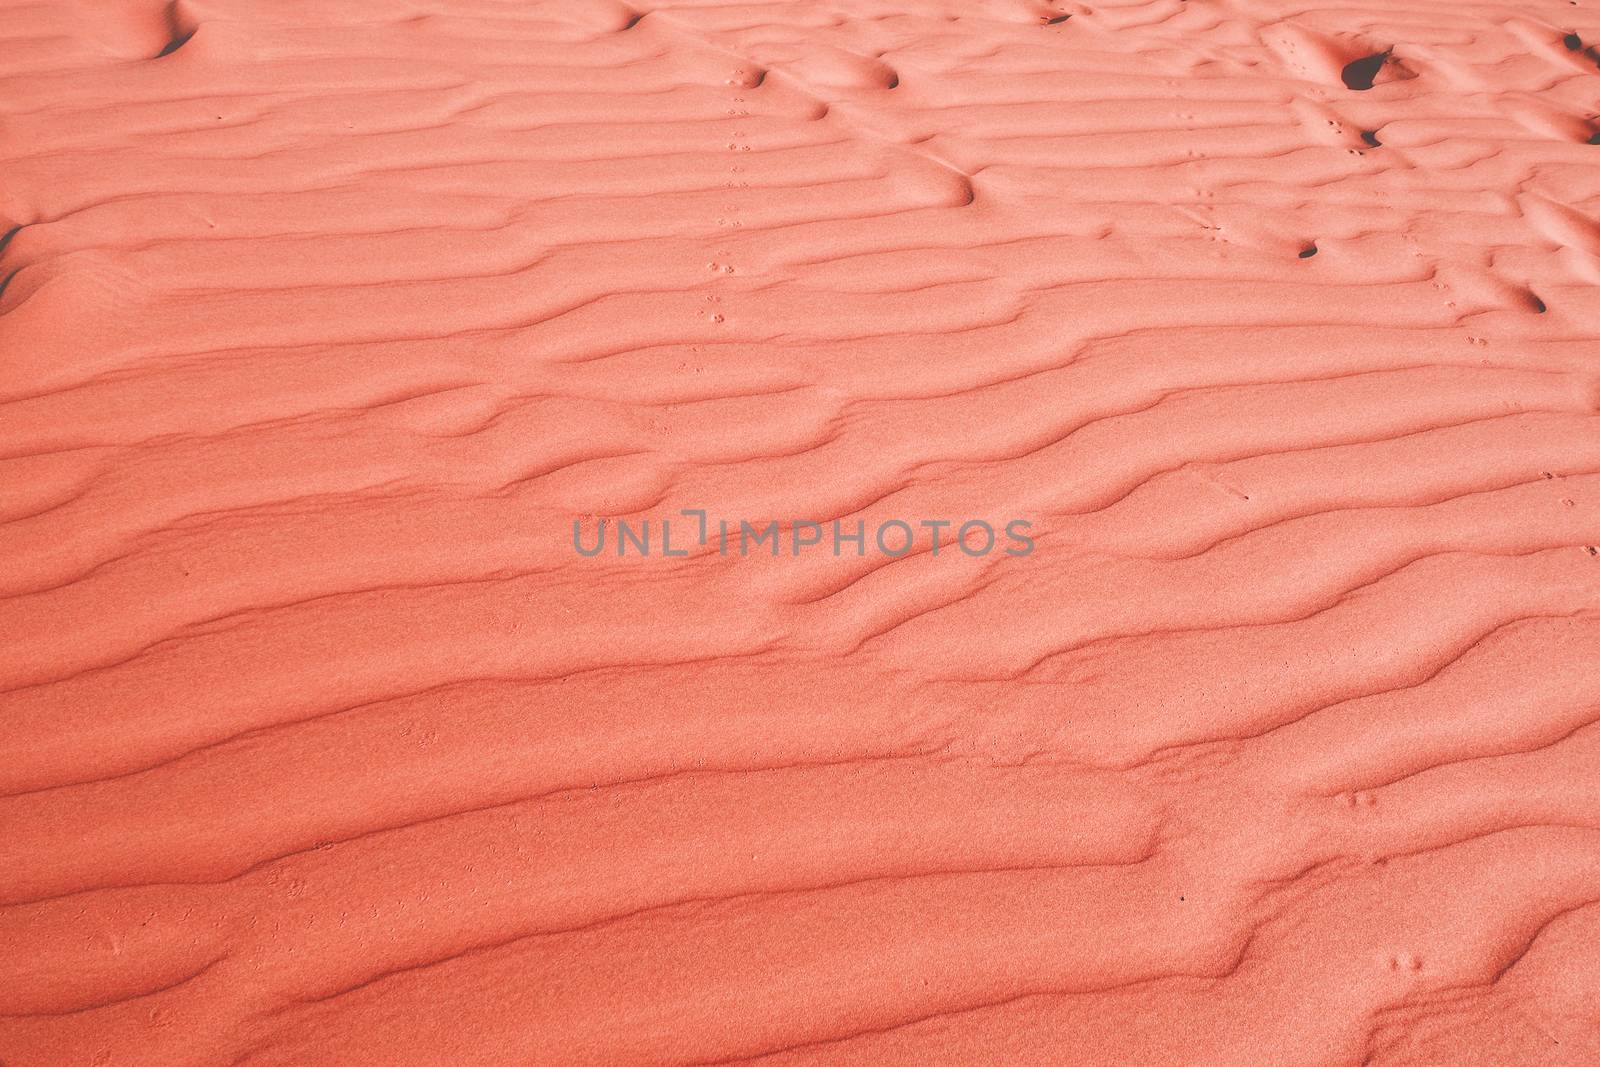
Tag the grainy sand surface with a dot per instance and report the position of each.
(324, 320)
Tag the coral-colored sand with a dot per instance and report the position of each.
(323, 320)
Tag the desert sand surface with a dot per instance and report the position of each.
(324, 321)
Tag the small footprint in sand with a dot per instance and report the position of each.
(746, 79)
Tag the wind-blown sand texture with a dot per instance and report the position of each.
(323, 320)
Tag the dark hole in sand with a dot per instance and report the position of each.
(1358, 75)
(175, 44)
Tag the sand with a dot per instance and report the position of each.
(1274, 324)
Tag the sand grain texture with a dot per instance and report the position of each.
(322, 321)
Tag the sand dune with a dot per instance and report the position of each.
(332, 332)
